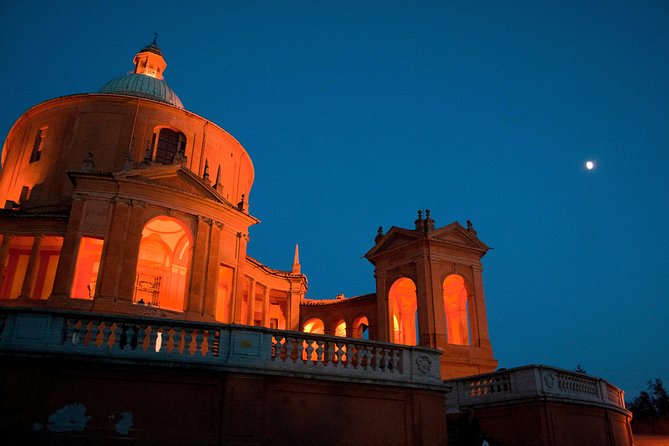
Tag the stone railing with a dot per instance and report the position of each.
(232, 347)
(532, 382)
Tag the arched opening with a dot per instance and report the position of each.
(361, 327)
(340, 329)
(455, 306)
(163, 264)
(403, 310)
(314, 325)
(87, 267)
(169, 144)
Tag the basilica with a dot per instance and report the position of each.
(131, 308)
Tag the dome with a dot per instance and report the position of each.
(143, 86)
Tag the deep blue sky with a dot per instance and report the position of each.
(357, 114)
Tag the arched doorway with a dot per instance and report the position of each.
(314, 325)
(163, 264)
(455, 306)
(340, 329)
(403, 312)
(361, 327)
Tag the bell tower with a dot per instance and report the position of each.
(429, 292)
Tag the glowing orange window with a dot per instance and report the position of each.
(403, 310)
(163, 264)
(49, 254)
(88, 265)
(455, 305)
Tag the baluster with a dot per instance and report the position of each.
(330, 358)
(321, 351)
(105, 331)
(309, 349)
(199, 343)
(140, 334)
(187, 336)
(212, 344)
(113, 338)
(72, 333)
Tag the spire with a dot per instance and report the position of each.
(296, 260)
(205, 175)
(217, 184)
(149, 61)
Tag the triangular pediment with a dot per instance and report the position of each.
(174, 177)
(455, 234)
(394, 238)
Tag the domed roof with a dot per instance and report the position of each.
(143, 86)
(147, 79)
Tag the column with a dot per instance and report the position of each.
(68, 255)
(4, 255)
(213, 267)
(252, 302)
(126, 283)
(113, 255)
(477, 317)
(31, 269)
(199, 269)
(266, 308)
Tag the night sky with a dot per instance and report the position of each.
(357, 114)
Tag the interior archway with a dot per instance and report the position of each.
(314, 325)
(403, 310)
(455, 307)
(163, 264)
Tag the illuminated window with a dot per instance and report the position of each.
(224, 294)
(455, 306)
(88, 265)
(163, 264)
(17, 264)
(170, 143)
(314, 325)
(403, 309)
(38, 145)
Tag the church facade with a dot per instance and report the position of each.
(123, 204)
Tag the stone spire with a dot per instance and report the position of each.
(296, 260)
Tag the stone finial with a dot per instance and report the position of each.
(88, 165)
(470, 227)
(146, 162)
(419, 221)
(240, 205)
(205, 175)
(129, 164)
(379, 234)
(429, 222)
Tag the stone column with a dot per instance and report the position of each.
(213, 267)
(31, 269)
(126, 282)
(4, 255)
(380, 330)
(252, 302)
(113, 259)
(62, 285)
(266, 308)
(199, 268)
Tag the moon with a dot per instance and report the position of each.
(589, 165)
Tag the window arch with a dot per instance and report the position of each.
(168, 145)
(314, 325)
(455, 306)
(361, 327)
(163, 263)
(403, 310)
(340, 329)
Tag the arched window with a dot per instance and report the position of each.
(361, 327)
(163, 264)
(455, 306)
(169, 144)
(340, 329)
(403, 310)
(314, 325)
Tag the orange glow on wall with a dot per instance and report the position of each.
(402, 304)
(163, 264)
(278, 312)
(17, 264)
(88, 265)
(314, 326)
(224, 294)
(455, 305)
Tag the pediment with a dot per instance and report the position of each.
(175, 177)
(455, 234)
(394, 238)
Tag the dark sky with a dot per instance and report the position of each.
(358, 113)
